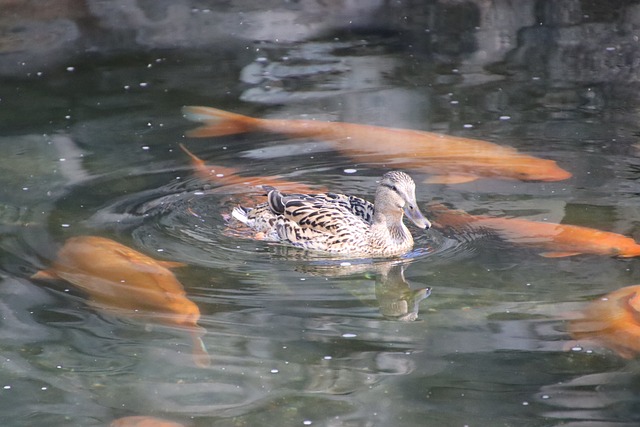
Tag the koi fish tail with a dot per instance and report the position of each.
(218, 122)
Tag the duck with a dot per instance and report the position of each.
(340, 223)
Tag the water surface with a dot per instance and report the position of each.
(91, 147)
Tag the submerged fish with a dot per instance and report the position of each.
(449, 159)
(226, 176)
(557, 240)
(124, 282)
(612, 321)
(142, 421)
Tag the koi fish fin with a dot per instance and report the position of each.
(450, 179)
(197, 161)
(172, 264)
(201, 356)
(217, 122)
(45, 275)
(558, 254)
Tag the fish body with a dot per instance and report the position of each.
(449, 159)
(226, 177)
(557, 240)
(612, 321)
(125, 282)
(143, 421)
(339, 223)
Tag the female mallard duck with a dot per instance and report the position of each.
(339, 223)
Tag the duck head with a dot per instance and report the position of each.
(396, 193)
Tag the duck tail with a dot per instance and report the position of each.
(240, 213)
(218, 122)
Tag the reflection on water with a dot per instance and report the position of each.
(92, 147)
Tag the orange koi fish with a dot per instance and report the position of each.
(449, 159)
(612, 321)
(226, 176)
(558, 240)
(142, 421)
(122, 281)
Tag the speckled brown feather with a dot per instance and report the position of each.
(338, 223)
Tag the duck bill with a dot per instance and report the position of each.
(413, 213)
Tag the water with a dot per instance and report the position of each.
(91, 147)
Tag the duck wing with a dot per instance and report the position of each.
(357, 206)
(321, 221)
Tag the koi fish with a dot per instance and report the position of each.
(122, 281)
(142, 421)
(558, 240)
(612, 321)
(226, 176)
(450, 159)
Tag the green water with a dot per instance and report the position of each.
(295, 339)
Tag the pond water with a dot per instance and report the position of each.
(91, 147)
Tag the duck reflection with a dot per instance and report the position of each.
(395, 297)
(124, 282)
(612, 321)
